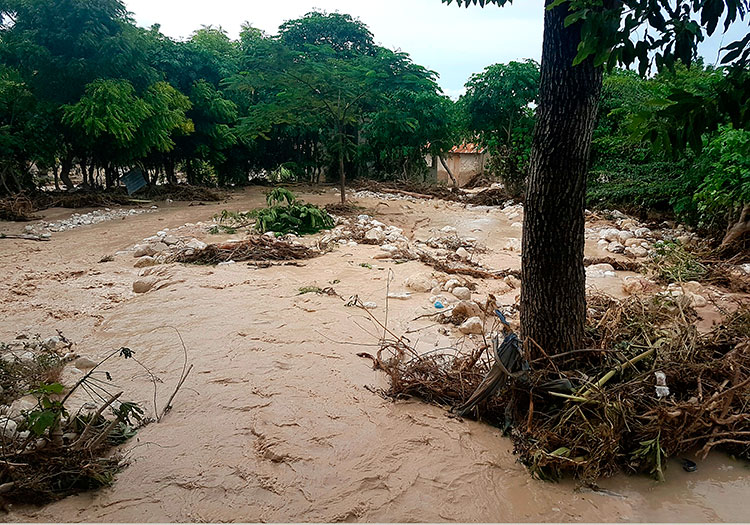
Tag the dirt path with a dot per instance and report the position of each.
(275, 422)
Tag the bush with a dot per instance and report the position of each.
(286, 214)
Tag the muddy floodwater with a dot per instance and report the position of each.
(276, 421)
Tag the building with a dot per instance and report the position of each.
(464, 161)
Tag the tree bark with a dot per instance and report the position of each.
(67, 164)
(737, 231)
(342, 174)
(553, 300)
(450, 173)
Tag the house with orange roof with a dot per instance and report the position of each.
(464, 161)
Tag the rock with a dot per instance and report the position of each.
(636, 251)
(693, 286)
(375, 234)
(465, 309)
(143, 285)
(609, 234)
(696, 300)
(634, 241)
(597, 271)
(448, 229)
(628, 224)
(84, 363)
(685, 240)
(159, 247)
(461, 292)
(624, 236)
(420, 282)
(436, 290)
(513, 216)
(641, 232)
(516, 225)
(169, 240)
(363, 218)
(501, 288)
(463, 253)
(195, 244)
(8, 427)
(602, 243)
(144, 261)
(399, 295)
(389, 248)
(615, 247)
(69, 437)
(143, 249)
(52, 342)
(450, 284)
(473, 325)
(634, 285)
(513, 245)
(370, 305)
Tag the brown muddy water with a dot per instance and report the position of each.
(275, 422)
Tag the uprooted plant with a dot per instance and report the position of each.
(287, 214)
(647, 386)
(51, 450)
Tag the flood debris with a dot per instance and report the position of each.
(252, 248)
(647, 386)
(52, 444)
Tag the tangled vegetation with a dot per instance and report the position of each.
(286, 214)
(647, 387)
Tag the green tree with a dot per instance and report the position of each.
(580, 38)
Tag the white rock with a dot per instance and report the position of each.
(370, 305)
(143, 249)
(513, 216)
(399, 295)
(419, 282)
(516, 225)
(463, 253)
(624, 236)
(615, 247)
(144, 261)
(473, 325)
(466, 309)
(448, 229)
(52, 342)
(641, 232)
(195, 244)
(636, 251)
(84, 363)
(363, 218)
(634, 241)
(609, 234)
(461, 292)
(375, 234)
(8, 427)
(389, 248)
(602, 243)
(450, 284)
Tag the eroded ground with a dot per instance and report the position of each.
(275, 423)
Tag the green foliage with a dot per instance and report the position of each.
(670, 262)
(285, 214)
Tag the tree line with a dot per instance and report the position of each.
(83, 89)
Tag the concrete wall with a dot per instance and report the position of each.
(464, 166)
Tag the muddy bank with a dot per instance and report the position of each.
(275, 422)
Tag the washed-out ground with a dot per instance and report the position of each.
(276, 421)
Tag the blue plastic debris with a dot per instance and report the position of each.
(439, 305)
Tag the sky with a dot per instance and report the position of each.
(454, 42)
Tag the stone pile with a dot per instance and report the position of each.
(77, 220)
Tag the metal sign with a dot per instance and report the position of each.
(133, 180)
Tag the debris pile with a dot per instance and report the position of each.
(252, 248)
(647, 386)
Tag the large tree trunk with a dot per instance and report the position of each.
(553, 300)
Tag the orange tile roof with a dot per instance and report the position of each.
(468, 147)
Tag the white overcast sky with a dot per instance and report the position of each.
(455, 42)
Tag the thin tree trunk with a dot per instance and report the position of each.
(67, 164)
(57, 176)
(450, 173)
(738, 230)
(342, 174)
(553, 300)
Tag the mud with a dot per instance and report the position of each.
(275, 422)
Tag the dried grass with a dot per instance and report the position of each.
(254, 248)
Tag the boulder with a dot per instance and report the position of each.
(450, 284)
(634, 241)
(195, 244)
(420, 282)
(143, 249)
(169, 240)
(375, 234)
(609, 234)
(641, 232)
(143, 285)
(84, 363)
(624, 236)
(461, 292)
(464, 310)
(615, 247)
(144, 261)
(473, 325)
(636, 251)
(463, 253)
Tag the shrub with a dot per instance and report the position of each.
(287, 214)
